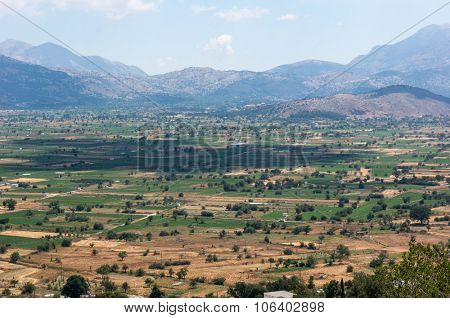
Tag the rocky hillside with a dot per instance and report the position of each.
(28, 85)
(392, 101)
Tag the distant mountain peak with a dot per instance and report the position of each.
(13, 48)
(428, 48)
(56, 57)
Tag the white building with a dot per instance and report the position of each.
(279, 294)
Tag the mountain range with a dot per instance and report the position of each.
(398, 101)
(421, 60)
(56, 57)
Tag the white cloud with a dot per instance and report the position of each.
(222, 42)
(115, 9)
(237, 14)
(199, 9)
(288, 17)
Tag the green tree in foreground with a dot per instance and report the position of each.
(423, 272)
(75, 287)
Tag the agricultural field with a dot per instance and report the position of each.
(195, 204)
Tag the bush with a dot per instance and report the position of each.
(218, 281)
(288, 252)
(177, 263)
(156, 266)
(139, 272)
(14, 258)
(66, 242)
(98, 227)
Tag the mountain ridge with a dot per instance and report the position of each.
(397, 101)
(421, 60)
(56, 57)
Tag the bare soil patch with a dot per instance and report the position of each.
(28, 234)
(28, 180)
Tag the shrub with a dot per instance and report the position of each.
(66, 242)
(218, 281)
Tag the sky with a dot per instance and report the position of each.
(166, 35)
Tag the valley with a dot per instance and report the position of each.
(196, 204)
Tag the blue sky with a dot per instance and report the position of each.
(165, 35)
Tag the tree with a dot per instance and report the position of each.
(181, 274)
(423, 272)
(331, 289)
(244, 290)
(122, 255)
(310, 261)
(292, 284)
(156, 292)
(420, 213)
(10, 204)
(342, 288)
(14, 258)
(66, 242)
(125, 287)
(75, 287)
(3, 249)
(104, 270)
(108, 286)
(307, 229)
(364, 286)
(342, 251)
(28, 289)
(311, 284)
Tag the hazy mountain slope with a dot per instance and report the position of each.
(57, 57)
(14, 49)
(392, 101)
(422, 60)
(199, 80)
(28, 85)
(305, 69)
(429, 48)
